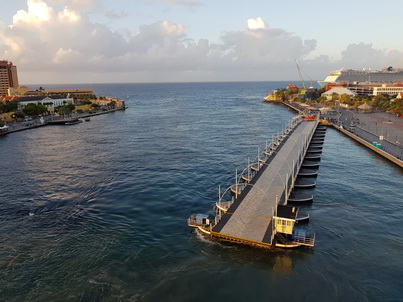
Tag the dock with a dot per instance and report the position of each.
(255, 210)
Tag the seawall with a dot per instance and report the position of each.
(382, 153)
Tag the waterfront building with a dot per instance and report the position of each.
(107, 101)
(8, 77)
(369, 88)
(49, 102)
(73, 93)
(387, 89)
(21, 90)
(338, 90)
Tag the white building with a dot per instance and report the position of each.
(387, 89)
(48, 102)
(340, 91)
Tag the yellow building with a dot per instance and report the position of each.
(107, 101)
(48, 102)
(74, 93)
(284, 221)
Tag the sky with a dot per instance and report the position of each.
(128, 41)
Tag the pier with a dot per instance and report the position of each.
(255, 210)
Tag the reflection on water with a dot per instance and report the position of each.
(283, 264)
(109, 201)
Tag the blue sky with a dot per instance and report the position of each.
(74, 41)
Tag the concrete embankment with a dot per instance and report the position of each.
(21, 126)
(382, 153)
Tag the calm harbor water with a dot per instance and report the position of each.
(97, 211)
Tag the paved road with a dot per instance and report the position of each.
(379, 127)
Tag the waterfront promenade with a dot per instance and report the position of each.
(383, 128)
(35, 122)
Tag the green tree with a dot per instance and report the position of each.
(8, 106)
(34, 109)
(19, 114)
(112, 104)
(96, 106)
(322, 100)
(335, 96)
(71, 107)
(345, 99)
(63, 110)
(397, 107)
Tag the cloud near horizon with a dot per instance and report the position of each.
(44, 39)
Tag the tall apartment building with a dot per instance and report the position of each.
(8, 77)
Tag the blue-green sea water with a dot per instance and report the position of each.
(97, 211)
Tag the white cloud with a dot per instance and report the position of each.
(257, 23)
(81, 4)
(68, 15)
(182, 3)
(66, 55)
(113, 15)
(74, 4)
(38, 11)
(363, 55)
(65, 43)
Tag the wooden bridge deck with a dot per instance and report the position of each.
(250, 217)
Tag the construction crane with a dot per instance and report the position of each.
(302, 78)
(300, 75)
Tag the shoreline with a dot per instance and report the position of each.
(370, 146)
(37, 124)
(377, 115)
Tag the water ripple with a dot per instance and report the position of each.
(98, 212)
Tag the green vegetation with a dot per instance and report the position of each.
(96, 106)
(86, 99)
(34, 109)
(382, 102)
(18, 114)
(112, 104)
(8, 106)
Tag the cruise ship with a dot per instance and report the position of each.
(388, 74)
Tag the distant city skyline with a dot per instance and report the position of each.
(100, 41)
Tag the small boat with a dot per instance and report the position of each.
(310, 164)
(317, 141)
(315, 147)
(302, 217)
(312, 157)
(73, 122)
(304, 184)
(300, 197)
(314, 150)
(87, 119)
(308, 172)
